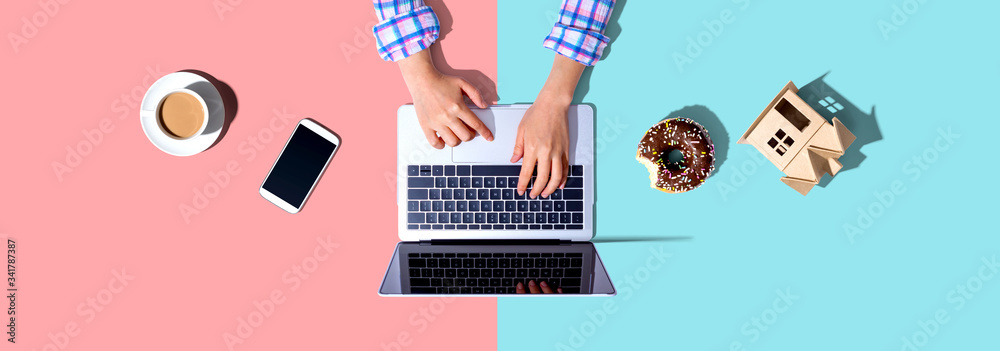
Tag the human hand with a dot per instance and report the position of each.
(534, 288)
(543, 140)
(439, 103)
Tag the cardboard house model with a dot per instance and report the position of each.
(797, 140)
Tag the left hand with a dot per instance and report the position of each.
(543, 139)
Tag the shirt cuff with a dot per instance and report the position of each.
(407, 33)
(579, 34)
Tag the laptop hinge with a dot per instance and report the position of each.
(495, 242)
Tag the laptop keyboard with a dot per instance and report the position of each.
(493, 273)
(484, 197)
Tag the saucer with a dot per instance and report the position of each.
(171, 82)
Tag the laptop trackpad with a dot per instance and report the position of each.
(497, 151)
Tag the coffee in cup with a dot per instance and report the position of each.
(182, 114)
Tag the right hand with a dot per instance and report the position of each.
(440, 105)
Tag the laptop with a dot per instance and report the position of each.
(464, 230)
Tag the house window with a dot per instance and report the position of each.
(831, 104)
(792, 114)
(780, 142)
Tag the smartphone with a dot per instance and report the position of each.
(300, 165)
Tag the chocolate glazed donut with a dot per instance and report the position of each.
(697, 155)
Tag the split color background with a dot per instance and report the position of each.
(741, 263)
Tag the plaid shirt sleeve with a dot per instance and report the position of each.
(579, 34)
(405, 27)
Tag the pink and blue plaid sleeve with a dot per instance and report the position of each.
(405, 27)
(579, 34)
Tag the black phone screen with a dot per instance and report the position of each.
(299, 166)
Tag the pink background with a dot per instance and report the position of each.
(118, 208)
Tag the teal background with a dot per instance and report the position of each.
(734, 243)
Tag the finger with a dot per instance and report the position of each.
(527, 166)
(449, 137)
(565, 174)
(556, 178)
(473, 93)
(544, 165)
(461, 131)
(433, 139)
(473, 122)
(534, 287)
(559, 290)
(546, 288)
(520, 288)
(518, 146)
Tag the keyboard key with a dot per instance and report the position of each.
(576, 171)
(576, 262)
(485, 206)
(540, 218)
(547, 206)
(412, 226)
(449, 171)
(495, 194)
(423, 290)
(415, 218)
(416, 194)
(578, 217)
(449, 206)
(559, 206)
(413, 205)
(564, 218)
(574, 182)
(435, 194)
(505, 218)
(497, 206)
(512, 182)
(437, 206)
(491, 217)
(535, 206)
(465, 182)
(483, 194)
(556, 195)
(501, 182)
(573, 272)
(574, 206)
(440, 182)
(489, 182)
(431, 218)
(480, 217)
(522, 206)
(418, 262)
(574, 226)
(559, 226)
(461, 206)
(446, 194)
(474, 206)
(529, 218)
(477, 182)
(418, 182)
(412, 171)
(458, 194)
(438, 171)
(496, 170)
(573, 194)
(515, 218)
(452, 182)
(510, 206)
(425, 170)
(470, 194)
(462, 170)
(467, 217)
(508, 194)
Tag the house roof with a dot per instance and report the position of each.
(788, 87)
